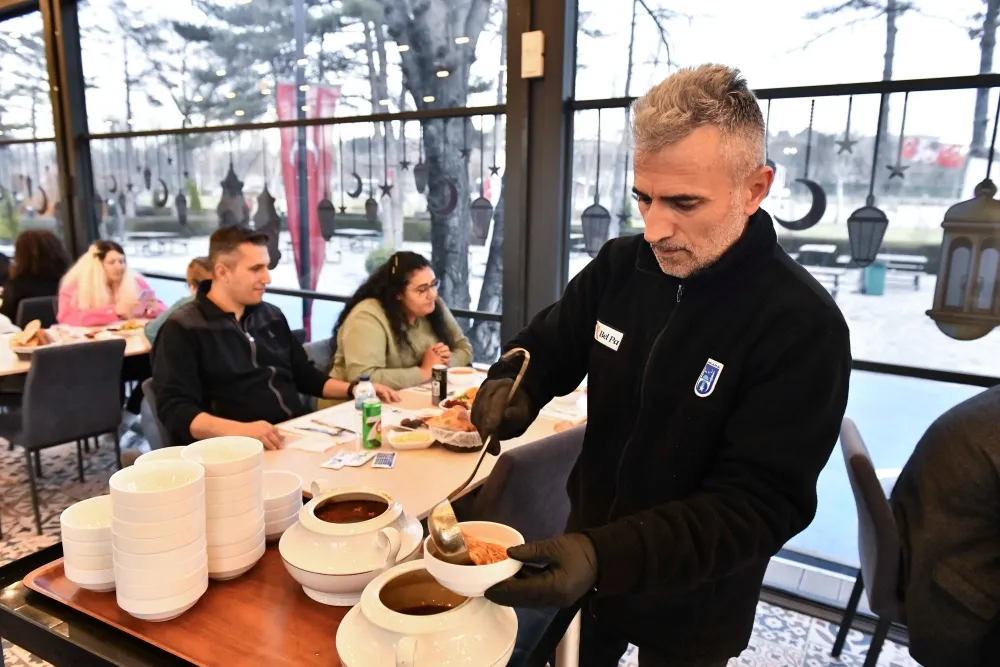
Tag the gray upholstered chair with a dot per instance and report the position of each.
(72, 392)
(320, 353)
(42, 308)
(299, 335)
(878, 544)
(526, 489)
(155, 433)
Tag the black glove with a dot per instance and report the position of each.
(489, 414)
(570, 572)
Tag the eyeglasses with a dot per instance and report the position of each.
(422, 290)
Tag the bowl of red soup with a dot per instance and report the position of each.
(487, 543)
(344, 538)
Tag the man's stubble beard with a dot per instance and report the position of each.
(727, 235)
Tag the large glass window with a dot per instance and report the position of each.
(29, 180)
(432, 185)
(623, 48)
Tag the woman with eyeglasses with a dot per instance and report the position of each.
(396, 329)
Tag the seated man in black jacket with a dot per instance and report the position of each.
(718, 375)
(227, 363)
(947, 507)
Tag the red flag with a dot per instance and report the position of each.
(321, 102)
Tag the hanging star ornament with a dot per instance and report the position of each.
(846, 145)
(624, 217)
(170, 160)
(386, 189)
(465, 153)
(896, 170)
(343, 210)
(405, 165)
(494, 170)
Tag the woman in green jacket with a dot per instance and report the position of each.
(395, 328)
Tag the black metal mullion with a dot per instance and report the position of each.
(59, 21)
(515, 175)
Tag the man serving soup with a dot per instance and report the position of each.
(718, 373)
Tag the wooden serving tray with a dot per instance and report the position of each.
(260, 618)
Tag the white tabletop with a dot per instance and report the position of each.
(420, 478)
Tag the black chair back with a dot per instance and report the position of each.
(299, 335)
(152, 428)
(72, 392)
(526, 489)
(42, 308)
(878, 537)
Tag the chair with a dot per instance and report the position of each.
(42, 308)
(299, 335)
(527, 488)
(155, 432)
(320, 353)
(878, 545)
(71, 393)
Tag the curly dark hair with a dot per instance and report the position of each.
(38, 253)
(386, 284)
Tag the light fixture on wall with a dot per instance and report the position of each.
(966, 304)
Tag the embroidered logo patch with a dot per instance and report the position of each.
(708, 379)
(607, 336)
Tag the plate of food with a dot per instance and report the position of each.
(464, 399)
(25, 342)
(128, 328)
(453, 428)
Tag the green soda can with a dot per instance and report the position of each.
(371, 423)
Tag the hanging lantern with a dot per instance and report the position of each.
(966, 304)
(232, 209)
(420, 177)
(327, 214)
(596, 221)
(181, 204)
(371, 210)
(147, 178)
(865, 231)
(267, 220)
(482, 215)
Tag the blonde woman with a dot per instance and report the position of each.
(100, 289)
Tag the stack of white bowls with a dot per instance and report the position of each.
(86, 540)
(162, 454)
(282, 502)
(158, 538)
(234, 502)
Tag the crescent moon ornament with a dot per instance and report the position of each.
(818, 206)
(815, 212)
(45, 200)
(452, 201)
(356, 192)
(161, 196)
(114, 184)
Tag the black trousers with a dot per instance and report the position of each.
(135, 369)
(601, 646)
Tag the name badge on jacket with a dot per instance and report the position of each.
(607, 336)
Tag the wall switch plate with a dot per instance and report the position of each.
(532, 54)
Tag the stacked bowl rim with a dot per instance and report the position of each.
(156, 484)
(226, 455)
(88, 520)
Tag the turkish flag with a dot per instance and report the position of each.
(321, 102)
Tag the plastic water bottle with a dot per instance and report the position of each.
(363, 391)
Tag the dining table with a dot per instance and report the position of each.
(136, 345)
(263, 616)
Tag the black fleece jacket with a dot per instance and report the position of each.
(714, 402)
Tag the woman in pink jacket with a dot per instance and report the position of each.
(100, 289)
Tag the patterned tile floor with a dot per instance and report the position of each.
(781, 638)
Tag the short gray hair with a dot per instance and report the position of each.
(713, 95)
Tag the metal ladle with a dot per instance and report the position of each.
(442, 523)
